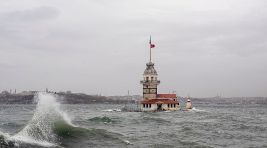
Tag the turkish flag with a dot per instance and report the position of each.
(152, 45)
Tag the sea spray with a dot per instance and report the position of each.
(51, 127)
(39, 129)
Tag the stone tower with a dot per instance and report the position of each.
(150, 79)
(150, 82)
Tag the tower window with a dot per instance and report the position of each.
(152, 78)
(146, 78)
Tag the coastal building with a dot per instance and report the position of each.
(152, 101)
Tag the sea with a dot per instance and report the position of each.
(212, 123)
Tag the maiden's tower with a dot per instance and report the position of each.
(152, 101)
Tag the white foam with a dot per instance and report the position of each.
(108, 110)
(6, 135)
(112, 110)
(27, 139)
(127, 142)
(197, 110)
(39, 129)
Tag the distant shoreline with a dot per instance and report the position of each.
(27, 97)
(64, 98)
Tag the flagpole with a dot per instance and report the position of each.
(150, 49)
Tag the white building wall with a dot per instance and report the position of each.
(165, 107)
(152, 108)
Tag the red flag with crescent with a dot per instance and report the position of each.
(151, 45)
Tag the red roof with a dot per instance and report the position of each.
(166, 95)
(160, 101)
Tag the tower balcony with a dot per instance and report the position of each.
(147, 82)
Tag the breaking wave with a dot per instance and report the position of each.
(39, 131)
(52, 127)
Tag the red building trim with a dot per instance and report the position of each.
(160, 101)
(166, 96)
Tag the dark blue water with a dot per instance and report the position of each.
(212, 123)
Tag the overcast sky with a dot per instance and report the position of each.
(203, 47)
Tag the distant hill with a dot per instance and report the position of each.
(65, 98)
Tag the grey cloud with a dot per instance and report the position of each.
(29, 15)
(102, 46)
(25, 28)
(5, 66)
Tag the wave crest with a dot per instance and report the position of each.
(40, 129)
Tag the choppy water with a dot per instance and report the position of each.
(212, 123)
